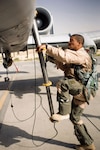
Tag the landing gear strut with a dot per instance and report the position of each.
(6, 78)
(7, 62)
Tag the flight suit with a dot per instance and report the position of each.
(69, 85)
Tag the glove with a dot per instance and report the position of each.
(41, 48)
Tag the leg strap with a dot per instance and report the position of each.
(64, 108)
(63, 97)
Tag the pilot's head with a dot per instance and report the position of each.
(76, 42)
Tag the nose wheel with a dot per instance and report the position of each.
(6, 79)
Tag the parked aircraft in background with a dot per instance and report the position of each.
(16, 24)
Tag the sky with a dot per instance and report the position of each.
(71, 16)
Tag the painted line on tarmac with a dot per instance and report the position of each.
(5, 94)
(3, 98)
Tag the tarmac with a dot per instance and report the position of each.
(25, 112)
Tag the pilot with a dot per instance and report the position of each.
(69, 60)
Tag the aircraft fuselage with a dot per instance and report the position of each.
(16, 19)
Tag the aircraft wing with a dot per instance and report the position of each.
(95, 36)
(55, 40)
(92, 40)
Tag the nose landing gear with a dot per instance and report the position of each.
(7, 61)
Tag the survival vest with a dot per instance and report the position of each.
(88, 79)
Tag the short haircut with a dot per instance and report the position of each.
(79, 38)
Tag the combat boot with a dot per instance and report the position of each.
(58, 117)
(85, 147)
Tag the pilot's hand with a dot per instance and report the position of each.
(58, 88)
(41, 48)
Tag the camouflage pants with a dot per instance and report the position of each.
(67, 88)
(80, 130)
